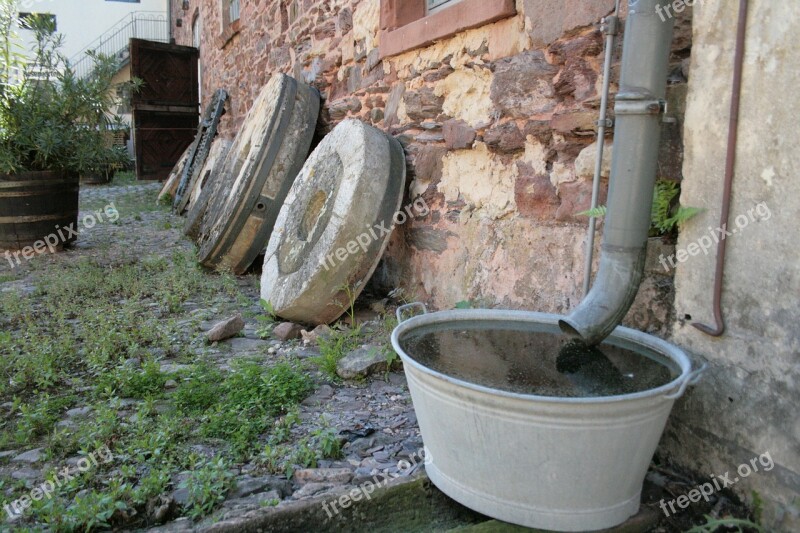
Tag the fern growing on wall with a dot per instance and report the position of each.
(666, 214)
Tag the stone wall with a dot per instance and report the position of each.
(492, 120)
(747, 404)
(498, 125)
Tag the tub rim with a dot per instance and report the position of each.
(670, 391)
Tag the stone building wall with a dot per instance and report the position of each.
(492, 119)
(497, 123)
(747, 404)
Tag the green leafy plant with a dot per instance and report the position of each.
(208, 485)
(597, 212)
(334, 347)
(280, 458)
(130, 382)
(327, 442)
(51, 118)
(249, 399)
(666, 213)
(266, 322)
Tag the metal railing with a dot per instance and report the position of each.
(149, 25)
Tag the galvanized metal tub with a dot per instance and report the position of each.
(562, 464)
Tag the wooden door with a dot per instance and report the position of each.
(165, 110)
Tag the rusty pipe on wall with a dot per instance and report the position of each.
(730, 164)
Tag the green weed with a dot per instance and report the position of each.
(208, 485)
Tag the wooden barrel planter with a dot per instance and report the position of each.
(35, 205)
(97, 178)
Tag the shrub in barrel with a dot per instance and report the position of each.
(53, 128)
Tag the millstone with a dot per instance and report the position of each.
(171, 184)
(206, 132)
(200, 195)
(335, 224)
(261, 166)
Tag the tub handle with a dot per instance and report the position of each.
(408, 307)
(691, 379)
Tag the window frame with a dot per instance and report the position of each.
(407, 24)
(231, 18)
(229, 27)
(443, 4)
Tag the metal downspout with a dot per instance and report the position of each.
(638, 109)
(610, 26)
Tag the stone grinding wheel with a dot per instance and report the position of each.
(171, 184)
(335, 224)
(206, 132)
(211, 167)
(198, 211)
(261, 166)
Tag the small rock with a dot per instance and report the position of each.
(363, 472)
(361, 363)
(322, 395)
(31, 456)
(248, 485)
(381, 456)
(9, 453)
(305, 353)
(226, 329)
(243, 344)
(181, 496)
(312, 337)
(584, 164)
(171, 384)
(505, 138)
(158, 508)
(66, 424)
(379, 306)
(26, 474)
(172, 368)
(287, 331)
(312, 489)
(458, 134)
(79, 412)
(323, 475)
(254, 501)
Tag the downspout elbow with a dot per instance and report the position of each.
(612, 294)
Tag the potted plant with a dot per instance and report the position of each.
(54, 126)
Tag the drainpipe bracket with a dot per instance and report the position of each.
(610, 25)
(664, 111)
(607, 123)
(639, 107)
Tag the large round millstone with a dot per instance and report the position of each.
(261, 166)
(205, 185)
(335, 224)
